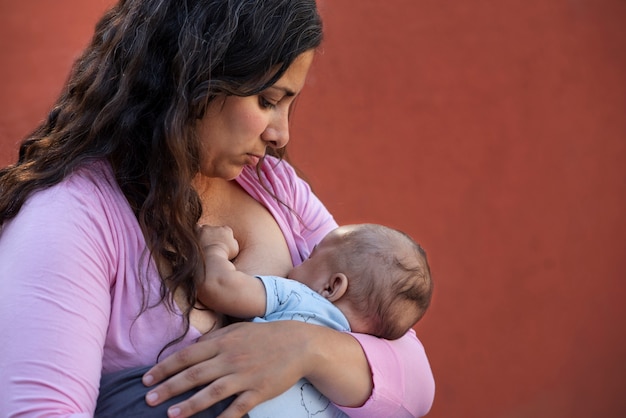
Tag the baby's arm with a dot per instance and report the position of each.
(224, 288)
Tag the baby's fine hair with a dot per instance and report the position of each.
(391, 289)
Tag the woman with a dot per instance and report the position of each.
(173, 116)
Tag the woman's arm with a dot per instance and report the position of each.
(54, 311)
(284, 351)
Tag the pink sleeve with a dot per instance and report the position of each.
(403, 381)
(54, 313)
(316, 219)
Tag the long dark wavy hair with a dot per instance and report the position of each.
(134, 98)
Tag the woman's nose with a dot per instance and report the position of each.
(277, 132)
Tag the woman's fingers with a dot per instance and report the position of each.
(193, 367)
(180, 360)
(242, 405)
(182, 382)
(253, 361)
(202, 400)
(186, 369)
(213, 393)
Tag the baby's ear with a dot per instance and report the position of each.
(336, 287)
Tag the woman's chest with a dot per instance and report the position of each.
(262, 245)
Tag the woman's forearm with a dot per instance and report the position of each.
(375, 377)
(284, 351)
(338, 367)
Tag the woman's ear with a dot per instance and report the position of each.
(336, 287)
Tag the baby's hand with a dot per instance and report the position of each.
(218, 238)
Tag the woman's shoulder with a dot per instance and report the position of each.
(76, 220)
(89, 180)
(93, 176)
(86, 200)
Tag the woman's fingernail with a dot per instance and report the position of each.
(173, 412)
(148, 379)
(152, 397)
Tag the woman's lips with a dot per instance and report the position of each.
(253, 160)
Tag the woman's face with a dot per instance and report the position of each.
(236, 131)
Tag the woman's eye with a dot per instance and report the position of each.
(265, 104)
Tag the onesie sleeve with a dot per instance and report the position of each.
(316, 220)
(55, 273)
(403, 381)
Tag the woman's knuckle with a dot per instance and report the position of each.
(165, 389)
(218, 390)
(193, 375)
(242, 406)
(182, 356)
(192, 405)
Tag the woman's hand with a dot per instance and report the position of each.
(243, 359)
(257, 362)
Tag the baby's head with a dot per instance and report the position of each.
(378, 276)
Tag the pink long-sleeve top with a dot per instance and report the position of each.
(72, 267)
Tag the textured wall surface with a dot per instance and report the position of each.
(493, 131)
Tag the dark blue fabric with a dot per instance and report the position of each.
(122, 395)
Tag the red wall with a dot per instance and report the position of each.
(494, 132)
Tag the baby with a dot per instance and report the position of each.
(364, 278)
